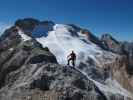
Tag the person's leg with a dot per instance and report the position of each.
(73, 63)
(68, 63)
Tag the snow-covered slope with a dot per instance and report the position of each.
(61, 42)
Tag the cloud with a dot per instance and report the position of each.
(3, 27)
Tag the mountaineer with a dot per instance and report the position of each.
(71, 57)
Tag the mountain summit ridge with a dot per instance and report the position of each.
(30, 62)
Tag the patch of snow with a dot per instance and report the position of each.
(82, 36)
(24, 36)
(11, 49)
(37, 72)
(20, 85)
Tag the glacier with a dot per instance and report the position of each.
(61, 42)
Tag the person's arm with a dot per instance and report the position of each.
(68, 55)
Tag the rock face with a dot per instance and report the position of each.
(29, 71)
(27, 24)
(123, 48)
(128, 49)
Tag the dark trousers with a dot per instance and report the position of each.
(73, 61)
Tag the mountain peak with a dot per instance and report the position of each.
(34, 56)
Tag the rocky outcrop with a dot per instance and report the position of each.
(25, 52)
(111, 43)
(27, 24)
(9, 39)
(93, 38)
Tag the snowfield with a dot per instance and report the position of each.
(61, 42)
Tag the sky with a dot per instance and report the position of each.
(99, 16)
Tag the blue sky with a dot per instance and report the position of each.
(99, 16)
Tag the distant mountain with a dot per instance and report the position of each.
(33, 63)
